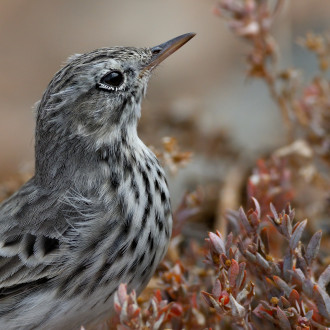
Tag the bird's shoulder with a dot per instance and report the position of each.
(33, 209)
(29, 242)
(34, 225)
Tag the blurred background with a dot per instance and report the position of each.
(199, 95)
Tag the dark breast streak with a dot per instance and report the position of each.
(136, 245)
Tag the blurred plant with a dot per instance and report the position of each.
(271, 182)
(190, 205)
(306, 104)
(320, 45)
(312, 109)
(171, 155)
(298, 172)
(252, 20)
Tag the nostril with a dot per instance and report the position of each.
(156, 51)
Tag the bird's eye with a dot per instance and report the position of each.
(111, 80)
(114, 78)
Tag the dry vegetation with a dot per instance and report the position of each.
(271, 270)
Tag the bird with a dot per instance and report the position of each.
(97, 211)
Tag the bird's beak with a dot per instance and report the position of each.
(164, 50)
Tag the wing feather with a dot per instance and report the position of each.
(31, 227)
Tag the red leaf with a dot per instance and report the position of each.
(233, 272)
(293, 297)
(224, 298)
(283, 320)
(313, 247)
(296, 235)
(257, 206)
(158, 296)
(176, 309)
(324, 278)
(217, 243)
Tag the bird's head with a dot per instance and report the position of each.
(97, 94)
(93, 103)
